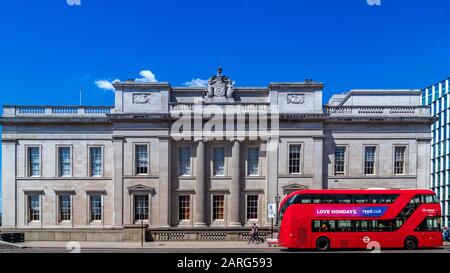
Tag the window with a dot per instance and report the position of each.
(64, 161)
(369, 160)
(219, 161)
(253, 161)
(96, 207)
(339, 161)
(34, 208)
(294, 159)
(218, 207)
(252, 207)
(64, 208)
(141, 159)
(184, 207)
(34, 161)
(140, 207)
(185, 161)
(399, 160)
(96, 161)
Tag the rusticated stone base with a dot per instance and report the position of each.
(133, 233)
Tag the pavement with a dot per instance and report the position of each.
(168, 247)
(159, 245)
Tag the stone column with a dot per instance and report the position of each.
(164, 182)
(235, 188)
(200, 185)
(9, 194)
(118, 181)
(318, 181)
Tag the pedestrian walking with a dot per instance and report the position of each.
(254, 237)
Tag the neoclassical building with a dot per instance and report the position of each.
(189, 159)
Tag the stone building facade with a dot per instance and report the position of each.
(186, 159)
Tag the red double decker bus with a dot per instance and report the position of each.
(333, 219)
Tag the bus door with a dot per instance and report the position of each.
(302, 233)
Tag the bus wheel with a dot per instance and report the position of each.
(323, 244)
(410, 243)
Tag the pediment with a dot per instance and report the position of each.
(141, 189)
(289, 188)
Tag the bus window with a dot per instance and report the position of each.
(316, 199)
(360, 225)
(327, 199)
(361, 199)
(390, 199)
(378, 199)
(344, 225)
(323, 226)
(343, 199)
(429, 224)
(304, 199)
(430, 199)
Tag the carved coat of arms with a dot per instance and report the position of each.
(295, 98)
(219, 86)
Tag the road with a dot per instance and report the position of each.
(445, 249)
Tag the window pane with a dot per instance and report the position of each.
(219, 161)
(253, 161)
(185, 161)
(339, 160)
(252, 207)
(294, 159)
(399, 160)
(218, 207)
(96, 161)
(34, 208)
(141, 207)
(64, 161)
(141, 159)
(369, 164)
(184, 207)
(96, 207)
(34, 161)
(64, 207)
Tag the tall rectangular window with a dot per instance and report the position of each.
(339, 161)
(253, 161)
(34, 208)
(140, 207)
(64, 161)
(184, 207)
(219, 161)
(399, 160)
(34, 161)
(252, 207)
(218, 207)
(294, 158)
(96, 207)
(95, 161)
(64, 208)
(141, 159)
(369, 160)
(184, 161)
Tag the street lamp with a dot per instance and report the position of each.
(277, 201)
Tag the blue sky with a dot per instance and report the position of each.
(49, 49)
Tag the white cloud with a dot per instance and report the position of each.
(106, 85)
(147, 76)
(196, 83)
(73, 2)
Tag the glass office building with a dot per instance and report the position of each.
(438, 97)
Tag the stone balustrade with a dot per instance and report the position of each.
(31, 110)
(239, 108)
(387, 111)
